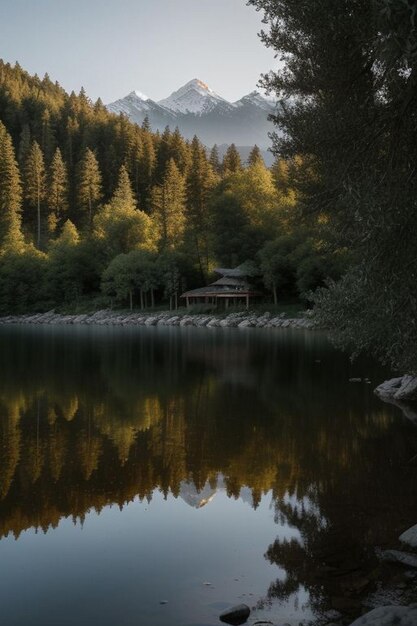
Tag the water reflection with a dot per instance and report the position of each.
(90, 417)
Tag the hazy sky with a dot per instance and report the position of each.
(155, 46)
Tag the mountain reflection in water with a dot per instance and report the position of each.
(92, 416)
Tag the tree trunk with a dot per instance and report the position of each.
(176, 301)
(39, 218)
(170, 303)
(131, 300)
(274, 291)
(152, 298)
(141, 299)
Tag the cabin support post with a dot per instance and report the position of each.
(188, 302)
(247, 301)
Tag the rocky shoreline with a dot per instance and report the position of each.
(165, 318)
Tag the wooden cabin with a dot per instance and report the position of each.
(232, 289)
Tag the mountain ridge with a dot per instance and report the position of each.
(198, 110)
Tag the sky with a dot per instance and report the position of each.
(111, 47)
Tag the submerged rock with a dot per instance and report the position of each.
(402, 558)
(388, 616)
(410, 536)
(236, 615)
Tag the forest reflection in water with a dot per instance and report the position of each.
(92, 416)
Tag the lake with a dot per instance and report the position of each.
(157, 476)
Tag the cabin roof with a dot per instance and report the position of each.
(231, 273)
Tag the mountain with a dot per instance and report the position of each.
(198, 110)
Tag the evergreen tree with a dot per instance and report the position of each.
(215, 160)
(10, 196)
(232, 162)
(146, 168)
(123, 195)
(146, 126)
(200, 181)
(89, 184)
(119, 226)
(35, 183)
(24, 145)
(255, 157)
(168, 207)
(57, 190)
(179, 151)
(163, 155)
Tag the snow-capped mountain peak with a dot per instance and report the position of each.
(140, 95)
(198, 110)
(194, 97)
(256, 99)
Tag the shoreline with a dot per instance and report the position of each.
(165, 318)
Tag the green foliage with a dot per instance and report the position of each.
(89, 184)
(168, 208)
(348, 85)
(10, 196)
(119, 226)
(231, 162)
(35, 183)
(22, 281)
(57, 190)
(127, 190)
(129, 273)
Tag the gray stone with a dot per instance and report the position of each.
(410, 536)
(388, 616)
(236, 615)
(400, 389)
(402, 558)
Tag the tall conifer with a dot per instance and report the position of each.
(57, 189)
(168, 207)
(232, 162)
(35, 183)
(10, 195)
(89, 184)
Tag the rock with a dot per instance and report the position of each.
(400, 389)
(355, 380)
(402, 558)
(236, 615)
(410, 536)
(388, 616)
(245, 324)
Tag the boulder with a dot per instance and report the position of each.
(388, 616)
(401, 389)
(236, 615)
(402, 558)
(410, 536)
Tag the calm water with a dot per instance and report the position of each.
(193, 468)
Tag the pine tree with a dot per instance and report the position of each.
(146, 168)
(255, 157)
(11, 237)
(123, 194)
(232, 162)
(146, 126)
(179, 151)
(200, 180)
(163, 154)
(57, 190)
(24, 145)
(168, 207)
(89, 184)
(35, 187)
(215, 160)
